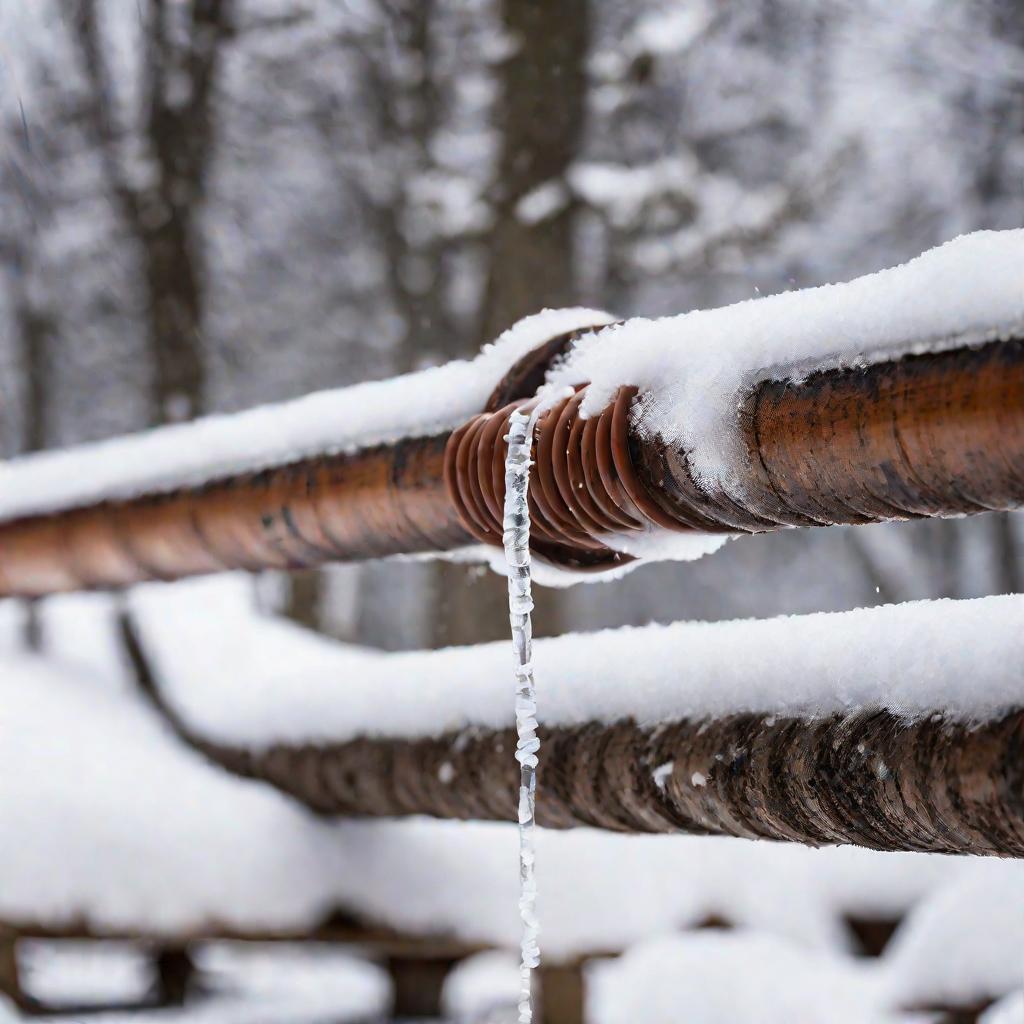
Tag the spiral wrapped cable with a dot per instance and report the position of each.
(585, 486)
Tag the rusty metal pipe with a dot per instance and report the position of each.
(869, 778)
(928, 435)
(923, 436)
(379, 501)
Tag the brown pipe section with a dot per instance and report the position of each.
(929, 435)
(375, 502)
(924, 436)
(869, 779)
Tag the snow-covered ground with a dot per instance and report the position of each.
(243, 984)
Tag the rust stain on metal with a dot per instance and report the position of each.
(930, 435)
(375, 502)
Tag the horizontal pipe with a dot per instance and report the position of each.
(379, 501)
(868, 778)
(924, 436)
(928, 435)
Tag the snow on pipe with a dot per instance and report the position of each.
(899, 727)
(927, 435)
(895, 396)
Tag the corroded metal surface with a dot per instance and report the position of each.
(868, 779)
(375, 502)
(928, 435)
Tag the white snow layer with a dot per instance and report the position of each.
(985, 910)
(648, 885)
(724, 977)
(482, 989)
(693, 370)
(229, 674)
(243, 983)
(310, 983)
(103, 817)
(1007, 1011)
(97, 972)
(343, 419)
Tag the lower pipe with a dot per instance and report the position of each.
(869, 778)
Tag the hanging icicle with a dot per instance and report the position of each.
(516, 539)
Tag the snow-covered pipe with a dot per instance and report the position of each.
(868, 779)
(896, 396)
(927, 435)
(899, 727)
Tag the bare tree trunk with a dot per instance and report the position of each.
(304, 600)
(884, 577)
(36, 330)
(180, 135)
(562, 995)
(947, 547)
(417, 983)
(174, 321)
(179, 79)
(175, 973)
(541, 116)
(470, 606)
(1010, 574)
(37, 344)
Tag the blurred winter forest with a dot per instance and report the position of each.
(208, 204)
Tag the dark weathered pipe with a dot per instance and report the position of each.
(868, 779)
(379, 501)
(929, 435)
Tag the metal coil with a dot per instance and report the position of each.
(584, 486)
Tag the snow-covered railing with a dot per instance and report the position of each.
(890, 728)
(895, 396)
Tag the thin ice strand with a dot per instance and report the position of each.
(516, 539)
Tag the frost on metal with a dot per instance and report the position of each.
(516, 539)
